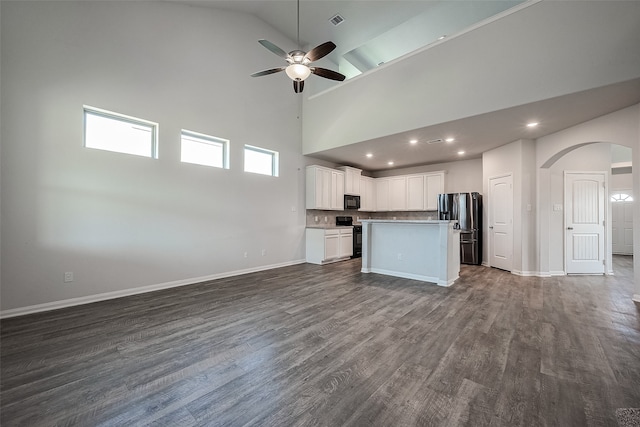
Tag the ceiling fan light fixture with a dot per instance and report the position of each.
(298, 72)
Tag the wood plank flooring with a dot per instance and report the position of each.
(326, 345)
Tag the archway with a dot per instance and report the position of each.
(581, 156)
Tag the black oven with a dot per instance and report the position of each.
(351, 202)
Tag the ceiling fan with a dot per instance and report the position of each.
(299, 62)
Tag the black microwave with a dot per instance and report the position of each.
(351, 202)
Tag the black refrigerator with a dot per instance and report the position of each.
(466, 208)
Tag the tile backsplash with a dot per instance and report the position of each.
(328, 218)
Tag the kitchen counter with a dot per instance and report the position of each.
(426, 250)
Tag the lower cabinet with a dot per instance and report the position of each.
(328, 245)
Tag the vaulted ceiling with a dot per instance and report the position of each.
(377, 32)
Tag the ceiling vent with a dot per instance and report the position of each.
(337, 19)
(435, 141)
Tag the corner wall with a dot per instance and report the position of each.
(124, 223)
(562, 150)
(515, 159)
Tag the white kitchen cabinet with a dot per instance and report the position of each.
(382, 194)
(331, 245)
(367, 194)
(434, 185)
(324, 188)
(337, 190)
(398, 193)
(351, 180)
(346, 243)
(416, 192)
(325, 245)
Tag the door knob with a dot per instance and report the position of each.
(491, 227)
(569, 228)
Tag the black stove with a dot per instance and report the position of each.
(344, 221)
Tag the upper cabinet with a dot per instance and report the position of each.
(351, 180)
(434, 185)
(367, 194)
(398, 193)
(416, 192)
(324, 188)
(383, 186)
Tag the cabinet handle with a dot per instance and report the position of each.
(569, 228)
(491, 227)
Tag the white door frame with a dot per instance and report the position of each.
(606, 227)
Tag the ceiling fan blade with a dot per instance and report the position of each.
(327, 74)
(298, 86)
(320, 51)
(273, 48)
(267, 72)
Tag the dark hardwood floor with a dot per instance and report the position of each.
(327, 345)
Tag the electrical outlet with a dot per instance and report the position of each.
(293, 208)
(399, 257)
(316, 218)
(264, 252)
(246, 254)
(68, 277)
(325, 219)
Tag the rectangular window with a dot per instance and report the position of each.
(109, 131)
(204, 150)
(260, 160)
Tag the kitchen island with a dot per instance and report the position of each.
(427, 250)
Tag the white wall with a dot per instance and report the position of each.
(464, 176)
(622, 181)
(570, 148)
(516, 159)
(553, 48)
(121, 222)
(592, 157)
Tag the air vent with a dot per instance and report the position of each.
(435, 141)
(337, 19)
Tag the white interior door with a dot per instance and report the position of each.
(585, 206)
(622, 222)
(501, 222)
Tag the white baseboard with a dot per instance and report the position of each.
(404, 275)
(557, 273)
(527, 273)
(21, 311)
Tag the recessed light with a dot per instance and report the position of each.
(449, 139)
(390, 163)
(413, 141)
(532, 124)
(460, 153)
(369, 155)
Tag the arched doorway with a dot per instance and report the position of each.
(584, 156)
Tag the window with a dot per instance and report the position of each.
(204, 150)
(109, 131)
(260, 160)
(621, 197)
